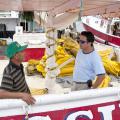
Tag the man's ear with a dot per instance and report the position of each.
(15, 55)
(91, 44)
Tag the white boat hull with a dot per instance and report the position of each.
(99, 104)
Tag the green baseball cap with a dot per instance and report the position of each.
(13, 48)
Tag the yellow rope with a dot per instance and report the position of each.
(49, 45)
(48, 31)
(50, 56)
(53, 68)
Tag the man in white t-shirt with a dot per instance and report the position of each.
(88, 64)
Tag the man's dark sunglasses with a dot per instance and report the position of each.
(81, 41)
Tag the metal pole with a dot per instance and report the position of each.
(81, 9)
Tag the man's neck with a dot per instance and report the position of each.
(88, 50)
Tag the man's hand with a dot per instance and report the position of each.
(17, 95)
(27, 98)
(71, 51)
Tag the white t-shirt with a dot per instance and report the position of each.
(87, 66)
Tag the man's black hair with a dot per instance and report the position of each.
(90, 37)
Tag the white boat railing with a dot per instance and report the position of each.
(53, 102)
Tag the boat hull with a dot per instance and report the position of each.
(101, 104)
(94, 112)
(100, 36)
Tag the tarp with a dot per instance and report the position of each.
(64, 12)
(90, 7)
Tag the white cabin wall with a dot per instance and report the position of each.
(95, 23)
(10, 23)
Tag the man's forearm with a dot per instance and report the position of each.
(9, 95)
(98, 81)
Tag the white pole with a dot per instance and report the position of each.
(51, 66)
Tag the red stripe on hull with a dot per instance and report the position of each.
(112, 39)
(65, 113)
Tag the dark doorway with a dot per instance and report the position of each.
(23, 24)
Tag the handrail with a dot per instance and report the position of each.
(60, 98)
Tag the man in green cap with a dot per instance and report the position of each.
(13, 81)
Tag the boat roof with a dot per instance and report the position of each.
(89, 7)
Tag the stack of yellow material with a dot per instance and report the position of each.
(71, 46)
(111, 67)
(69, 43)
(105, 53)
(61, 56)
(35, 91)
(41, 66)
(67, 70)
(33, 62)
(31, 67)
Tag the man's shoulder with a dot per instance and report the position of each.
(95, 53)
(8, 69)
